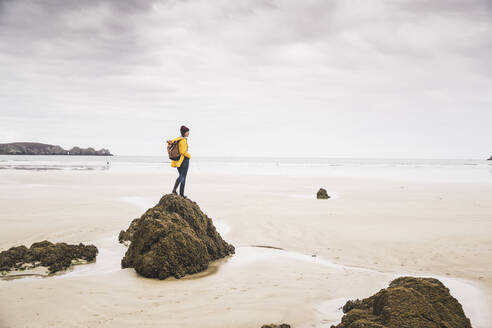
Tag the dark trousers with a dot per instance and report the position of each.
(181, 180)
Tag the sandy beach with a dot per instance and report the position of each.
(324, 251)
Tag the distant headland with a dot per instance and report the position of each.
(36, 148)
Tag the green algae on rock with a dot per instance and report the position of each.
(174, 238)
(408, 302)
(55, 257)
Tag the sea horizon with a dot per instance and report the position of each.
(409, 169)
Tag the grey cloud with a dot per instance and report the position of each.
(443, 6)
(342, 66)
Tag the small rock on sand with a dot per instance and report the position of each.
(322, 194)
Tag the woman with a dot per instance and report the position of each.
(184, 161)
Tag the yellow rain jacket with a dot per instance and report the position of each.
(183, 150)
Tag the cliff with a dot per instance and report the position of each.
(36, 148)
(89, 151)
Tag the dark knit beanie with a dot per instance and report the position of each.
(183, 130)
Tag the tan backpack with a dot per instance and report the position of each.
(173, 150)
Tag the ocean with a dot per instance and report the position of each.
(419, 170)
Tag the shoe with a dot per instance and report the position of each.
(185, 197)
(174, 192)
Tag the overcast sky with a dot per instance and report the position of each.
(250, 77)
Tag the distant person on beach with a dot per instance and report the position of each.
(183, 162)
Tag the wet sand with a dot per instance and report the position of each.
(369, 233)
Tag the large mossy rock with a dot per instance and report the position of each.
(55, 257)
(408, 302)
(174, 238)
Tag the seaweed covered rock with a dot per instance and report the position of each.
(174, 238)
(322, 194)
(407, 302)
(56, 257)
(282, 325)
